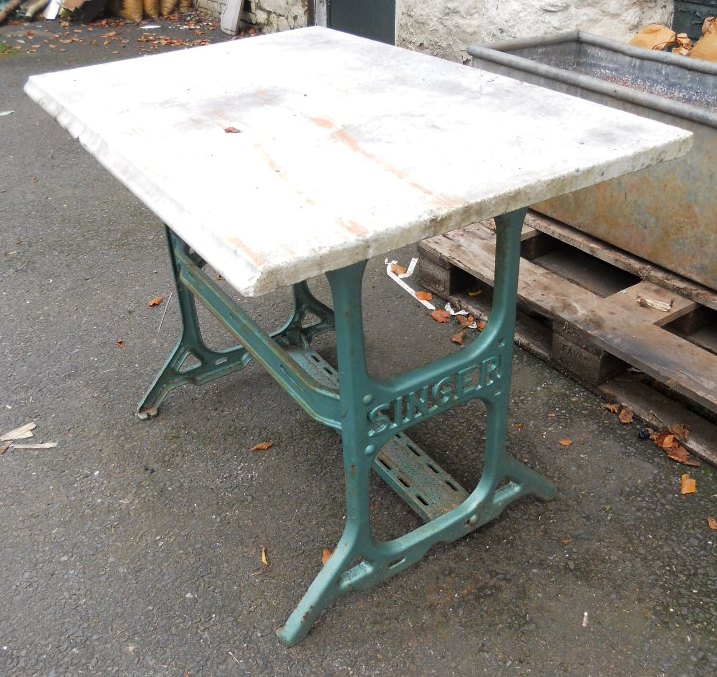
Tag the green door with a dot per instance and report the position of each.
(375, 19)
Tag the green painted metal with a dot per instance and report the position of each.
(372, 414)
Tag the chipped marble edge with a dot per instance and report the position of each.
(249, 280)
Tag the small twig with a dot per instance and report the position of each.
(164, 313)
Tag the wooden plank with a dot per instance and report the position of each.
(230, 17)
(636, 299)
(621, 259)
(676, 362)
(660, 413)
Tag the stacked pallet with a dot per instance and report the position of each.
(621, 326)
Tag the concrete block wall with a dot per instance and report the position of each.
(445, 28)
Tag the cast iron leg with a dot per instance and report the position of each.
(360, 561)
(212, 364)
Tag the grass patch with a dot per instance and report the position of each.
(6, 50)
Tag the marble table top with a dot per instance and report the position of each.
(344, 148)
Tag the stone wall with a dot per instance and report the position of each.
(269, 15)
(446, 27)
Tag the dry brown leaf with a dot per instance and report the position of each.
(482, 325)
(325, 556)
(565, 443)
(264, 559)
(441, 316)
(424, 296)
(712, 523)
(688, 485)
(680, 431)
(666, 441)
(681, 455)
(120, 343)
(566, 541)
(459, 338)
(465, 321)
(157, 300)
(612, 408)
(263, 446)
(626, 415)
(232, 130)
(397, 270)
(519, 426)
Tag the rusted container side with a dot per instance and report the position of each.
(666, 214)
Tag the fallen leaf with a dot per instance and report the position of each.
(565, 443)
(666, 441)
(680, 431)
(566, 541)
(612, 408)
(459, 338)
(120, 343)
(519, 426)
(441, 316)
(155, 301)
(264, 559)
(232, 130)
(482, 325)
(465, 320)
(262, 446)
(626, 415)
(681, 455)
(424, 296)
(326, 555)
(712, 523)
(397, 270)
(475, 292)
(688, 485)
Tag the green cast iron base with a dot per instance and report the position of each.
(372, 415)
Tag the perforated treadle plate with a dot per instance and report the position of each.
(427, 489)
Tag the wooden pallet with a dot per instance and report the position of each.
(615, 323)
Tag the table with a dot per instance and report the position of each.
(283, 157)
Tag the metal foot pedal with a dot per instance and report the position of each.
(424, 486)
(428, 489)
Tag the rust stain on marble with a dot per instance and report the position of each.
(255, 259)
(341, 135)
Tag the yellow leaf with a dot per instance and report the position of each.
(262, 446)
(424, 296)
(155, 301)
(566, 442)
(264, 559)
(325, 556)
(712, 522)
(688, 485)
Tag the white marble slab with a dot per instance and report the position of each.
(348, 148)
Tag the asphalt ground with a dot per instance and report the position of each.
(134, 547)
